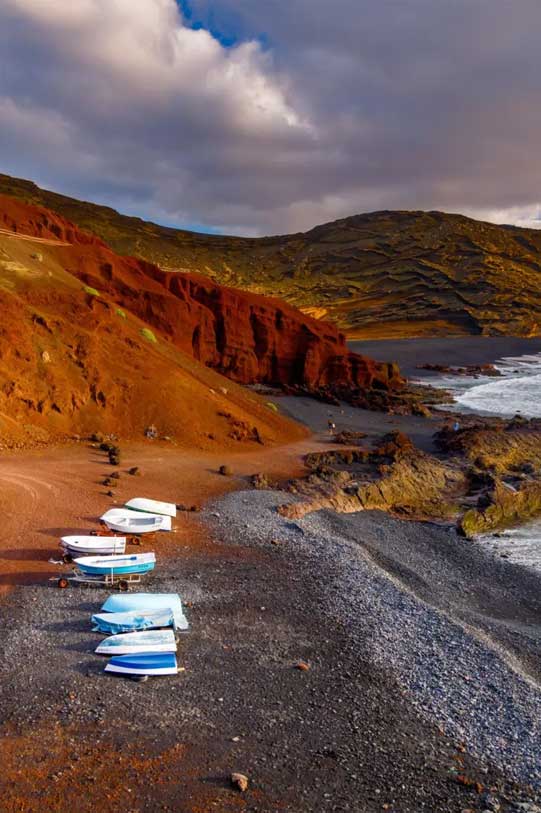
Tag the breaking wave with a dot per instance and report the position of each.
(518, 390)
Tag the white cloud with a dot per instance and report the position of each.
(353, 106)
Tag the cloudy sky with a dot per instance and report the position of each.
(266, 116)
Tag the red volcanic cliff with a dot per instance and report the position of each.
(247, 337)
(252, 338)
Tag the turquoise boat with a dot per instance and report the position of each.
(114, 623)
(116, 565)
(144, 602)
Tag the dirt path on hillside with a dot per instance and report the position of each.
(44, 240)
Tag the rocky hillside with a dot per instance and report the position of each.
(91, 340)
(385, 274)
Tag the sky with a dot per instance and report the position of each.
(271, 116)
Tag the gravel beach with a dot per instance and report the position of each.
(352, 662)
(458, 630)
(419, 691)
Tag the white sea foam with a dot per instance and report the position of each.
(505, 396)
(517, 390)
(521, 545)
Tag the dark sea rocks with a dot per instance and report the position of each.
(502, 507)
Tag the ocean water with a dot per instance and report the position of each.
(518, 390)
(521, 546)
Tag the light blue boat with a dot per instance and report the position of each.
(113, 623)
(143, 602)
(131, 643)
(124, 565)
(145, 663)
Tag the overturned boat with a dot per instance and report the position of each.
(93, 545)
(130, 643)
(144, 664)
(121, 603)
(116, 565)
(147, 602)
(167, 509)
(135, 522)
(114, 623)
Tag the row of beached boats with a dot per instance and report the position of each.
(106, 556)
(141, 627)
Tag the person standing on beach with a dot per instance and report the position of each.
(331, 426)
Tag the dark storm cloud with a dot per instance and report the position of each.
(319, 110)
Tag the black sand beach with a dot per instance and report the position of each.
(459, 351)
(421, 690)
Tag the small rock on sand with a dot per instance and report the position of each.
(239, 781)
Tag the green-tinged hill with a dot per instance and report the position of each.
(384, 274)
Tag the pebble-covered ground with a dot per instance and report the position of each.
(342, 663)
(459, 630)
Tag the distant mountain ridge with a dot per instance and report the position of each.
(377, 275)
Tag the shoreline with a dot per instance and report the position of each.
(438, 634)
(422, 687)
(455, 352)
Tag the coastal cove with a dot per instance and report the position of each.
(270, 407)
(399, 622)
(518, 390)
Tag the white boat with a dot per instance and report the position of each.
(167, 509)
(135, 522)
(93, 545)
(131, 643)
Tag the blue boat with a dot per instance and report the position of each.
(146, 663)
(141, 602)
(113, 623)
(116, 565)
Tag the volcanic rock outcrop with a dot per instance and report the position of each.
(384, 274)
(394, 477)
(86, 332)
(487, 476)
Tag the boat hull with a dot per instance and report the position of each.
(116, 565)
(167, 509)
(127, 521)
(114, 623)
(148, 602)
(93, 545)
(131, 643)
(144, 664)
(125, 570)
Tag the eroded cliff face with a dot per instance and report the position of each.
(252, 338)
(92, 340)
(247, 337)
